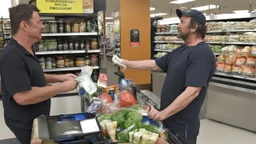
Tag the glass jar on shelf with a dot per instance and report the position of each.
(82, 46)
(88, 26)
(94, 43)
(41, 46)
(42, 62)
(60, 45)
(87, 60)
(48, 63)
(82, 27)
(87, 45)
(80, 61)
(65, 45)
(60, 27)
(71, 45)
(53, 63)
(60, 62)
(75, 27)
(67, 62)
(76, 45)
(94, 60)
(71, 62)
(53, 27)
(67, 27)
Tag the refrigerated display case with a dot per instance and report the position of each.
(231, 96)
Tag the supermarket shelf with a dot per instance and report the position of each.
(166, 33)
(71, 34)
(67, 52)
(67, 69)
(233, 43)
(234, 76)
(230, 31)
(162, 50)
(93, 51)
(179, 42)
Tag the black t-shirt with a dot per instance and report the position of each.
(186, 66)
(20, 71)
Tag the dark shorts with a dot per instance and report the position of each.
(174, 138)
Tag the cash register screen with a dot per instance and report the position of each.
(89, 126)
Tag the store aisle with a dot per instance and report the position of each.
(212, 132)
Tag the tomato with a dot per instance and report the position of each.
(126, 99)
(106, 99)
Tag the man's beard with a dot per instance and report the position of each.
(183, 36)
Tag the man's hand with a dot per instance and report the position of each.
(116, 60)
(155, 114)
(69, 85)
(67, 77)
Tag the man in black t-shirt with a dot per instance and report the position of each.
(25, 92)
(189, 68)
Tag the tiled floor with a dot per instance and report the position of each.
(212, 132)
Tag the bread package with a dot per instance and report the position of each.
(236, 70)
(227, 68)
(230, 59)
(240, 61)
(253, 51)
(221, 58)
(220, 67)
(248, 71)
(250, 61)
(245, 51)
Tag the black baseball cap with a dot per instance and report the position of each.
(197, 15)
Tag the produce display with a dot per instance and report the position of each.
(216, 48)
(167, 28)
(160, 54)
(167, 46)
(167, 38)
(237, 60)
(246, 37)
(222, 26)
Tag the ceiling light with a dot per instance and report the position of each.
(241, 11)
(152, 8)
(109, 18)
(181, 1)
(158, 14)
(206, 7)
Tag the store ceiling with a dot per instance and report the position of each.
(164, 6)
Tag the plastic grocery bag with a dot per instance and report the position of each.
(85, 83)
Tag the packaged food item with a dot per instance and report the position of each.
(240, 61)
(94, 60)
(42, 62)
(88, 6)
(94, 106)
(67, 62)
(48, 63)
(220, 67)
(67, 27)
(60, 27)
(230, 59)
(75, 27)
(248, 71)
(60, 62)
(236, 70)
(253, 51)
(227, 68)
(102, 80)
(71, 62)
(82, 27)
(250, 61)
(87, 60)
(245, 51)
(80, 62)
(94, 44)
(221, 58)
